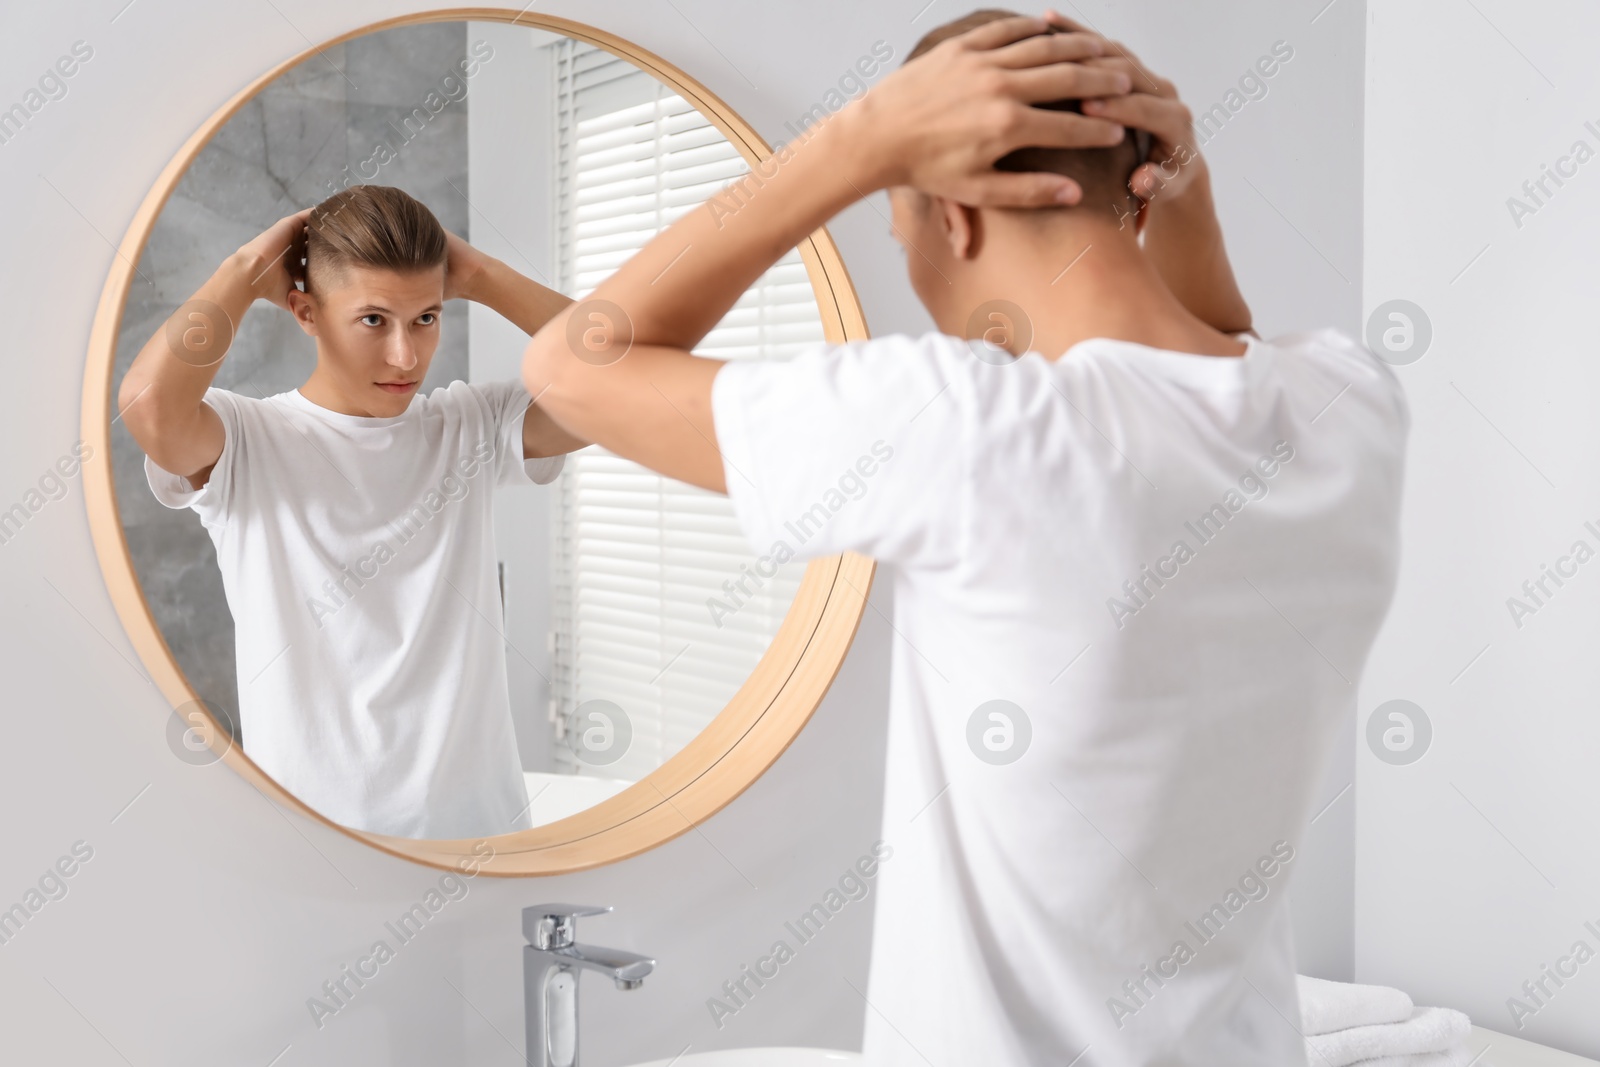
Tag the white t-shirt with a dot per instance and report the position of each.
(359, 562)
(1177, 727)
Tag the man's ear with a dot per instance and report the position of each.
(303, 306)
(962, 227)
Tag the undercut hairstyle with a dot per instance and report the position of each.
(1103, 173)
(371, 226)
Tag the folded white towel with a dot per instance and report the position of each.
(1328, 1006)
(1428, 1030)
(1459, 1056)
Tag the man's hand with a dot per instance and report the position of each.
(464, 268)
(940, 122)
(1182, 237)
(1152, 105)
(273, 259)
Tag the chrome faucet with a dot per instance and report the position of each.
(551, 961)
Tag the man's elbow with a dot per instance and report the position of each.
(1236, 319)
(136, 407)
(128, 393)
(540, 359)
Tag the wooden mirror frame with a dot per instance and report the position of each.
(762, 718)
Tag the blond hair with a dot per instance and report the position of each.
(372, 226)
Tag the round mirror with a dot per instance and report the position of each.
(633, 664)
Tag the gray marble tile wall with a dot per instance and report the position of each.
(335, 119)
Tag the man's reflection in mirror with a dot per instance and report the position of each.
(353, 516)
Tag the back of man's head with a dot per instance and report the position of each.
(373, 226)
(1101, 172)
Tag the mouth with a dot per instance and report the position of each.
(396, 387)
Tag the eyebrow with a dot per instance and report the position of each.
(367, 308)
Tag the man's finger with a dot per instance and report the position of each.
(1051, 48)
(1065, 81)
(1001, 32)
(1021, 189)
(1144, 182)
(1056, 18)
(1143, 80)
(1167, 119)
(1038, 128)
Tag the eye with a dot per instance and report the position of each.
(427, 318)
(373, 319)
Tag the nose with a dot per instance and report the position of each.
(402, 353)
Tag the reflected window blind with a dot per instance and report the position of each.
(638, 557)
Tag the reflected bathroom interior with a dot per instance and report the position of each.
(633, 611)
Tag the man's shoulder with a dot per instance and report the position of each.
(891, 360)
(227, 396)
(1332, 372)
(464, 394)
(1331, 349)
(912, 383)
(241, 399)
(472, 403)
(1328, 345)
(877, 373)
(230, 403)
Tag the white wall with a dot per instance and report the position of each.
(1477, 864)
(207, 917)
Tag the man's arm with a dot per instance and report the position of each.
(542, 436)
(161, 397)
(616, 367)
(1182, 236)
(1184, 240)
(472, 275)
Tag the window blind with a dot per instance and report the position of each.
(638, 557)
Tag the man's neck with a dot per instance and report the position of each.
(324, 395)
(321, 391)
(1092, 280)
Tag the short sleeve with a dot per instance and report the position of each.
(851, 447)
(508, 405)
(213, 500)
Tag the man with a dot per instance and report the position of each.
(353, 518)
(1139, 555)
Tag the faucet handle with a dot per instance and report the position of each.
(556, 925)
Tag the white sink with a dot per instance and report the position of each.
(761, 1057)
(555, 796)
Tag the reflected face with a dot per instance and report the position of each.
(376, 332)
